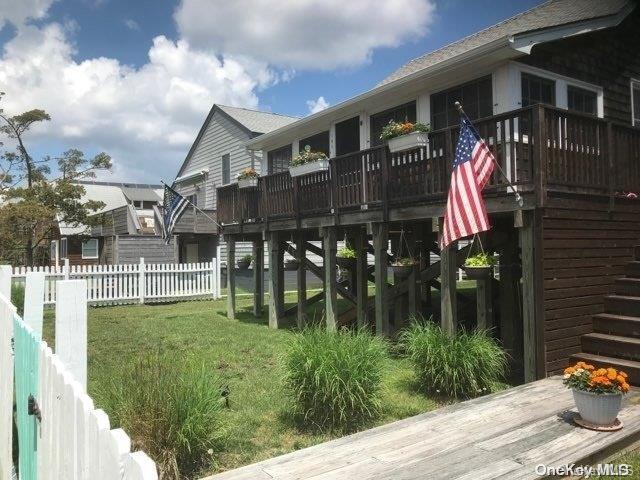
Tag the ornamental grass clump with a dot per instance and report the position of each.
(334, 378)
(171, 409)
(463, 365)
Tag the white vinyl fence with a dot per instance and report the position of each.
(65, 437)
(133, 283)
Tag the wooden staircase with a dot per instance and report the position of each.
(615, 340)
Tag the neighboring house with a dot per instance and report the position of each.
(215, 159)
(578, 63)
(128, 231)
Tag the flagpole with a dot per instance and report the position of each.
(513, 189)
(196, 207)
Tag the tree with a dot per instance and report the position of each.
(34, 201)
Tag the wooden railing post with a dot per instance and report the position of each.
(333, 185)
(384, 184)
(611, 147)
(539, 154)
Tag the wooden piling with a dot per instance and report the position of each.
(380, 246)
(258, 276)
(330, 281)
(231, 277)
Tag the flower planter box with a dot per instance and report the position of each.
(409, 141)
(478, 273)
(307, 168)
(243, 264)
(247, 182)
(599, 409)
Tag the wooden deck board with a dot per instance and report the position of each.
(504, 435)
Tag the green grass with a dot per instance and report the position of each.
(631, 458)
(244, 354)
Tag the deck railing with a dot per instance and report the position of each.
(576, 153)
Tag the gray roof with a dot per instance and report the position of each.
(256, 121)
(549, 14)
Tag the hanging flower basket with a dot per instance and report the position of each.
(597, 394)
(290, 265)
(403, 267)
(243, 263)
(346, 258)
(478, 273)
(479, 267)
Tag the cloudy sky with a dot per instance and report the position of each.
(137, 78)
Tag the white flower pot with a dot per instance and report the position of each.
(598, 408)
(247, 182)
(307, 168)
(408, 142)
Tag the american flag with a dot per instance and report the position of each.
(466, 213)
(174, 204)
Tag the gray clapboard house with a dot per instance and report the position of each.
(216, 157)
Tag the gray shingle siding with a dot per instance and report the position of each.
(153, 249)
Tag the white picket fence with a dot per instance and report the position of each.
(74, 440)
(133, 283)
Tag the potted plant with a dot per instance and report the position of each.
(244, 262)
(405, 136)
(403, 266)
(346, 257)
(597, 393)
(291, 264)
(307, 162)
(479, 266)
(248, 178)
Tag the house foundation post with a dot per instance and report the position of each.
(276, 277)
(330, 247)
(301, 280)
(380, 247)
(258, 276)
(528, 251)
(362, 291)
(448, 289)
(231, 277)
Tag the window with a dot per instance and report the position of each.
(581, 100)
(635, 103)
(90, 248)
(226, 169)
(537, 90)
(348, 136)
(63, 248)
(476, 97)
(53, 252)
(318, 143)
(193, 199)
(278, 160)
(402, 113)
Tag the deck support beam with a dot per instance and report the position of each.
(231, 277)
(276, 277)
(527, 245)
(448, 289)
(258, 276)
(510, 327)
(302, 280)
(414, 293)
(380, 246)
(484, 303)
(361, 277)
(330, 247)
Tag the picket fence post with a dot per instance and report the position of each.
(5, 281)
(141, 282)
(65, 269)
(71, 327)
(214, 279)
(33, 308)
(7, 312)
(218, 272)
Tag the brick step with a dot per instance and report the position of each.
(632, 269)
(622, 304)
(628, 286)
(611, 323)
(630, 367)
(611, 345)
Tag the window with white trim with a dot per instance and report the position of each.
(63, 248)
(582, 100)
(635, 103)
(90, 249)
(226, 169)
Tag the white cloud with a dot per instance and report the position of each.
(317, 105)
(131, 24)
(18, 12)
(146, 118)
(303, 34)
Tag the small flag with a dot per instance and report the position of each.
(473, 164)
(174, 204)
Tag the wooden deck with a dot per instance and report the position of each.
(504, 435)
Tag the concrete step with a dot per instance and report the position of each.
(616, 346)
(622, 304)
(611, 323)
(630, 367)
(628, 287)
(632, 269)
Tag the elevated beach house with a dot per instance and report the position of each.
(216, 157)
(555, 93)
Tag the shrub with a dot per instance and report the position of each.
(334, 378)
(464, 365)
(171, 409)
(17, 296)
(347, 252)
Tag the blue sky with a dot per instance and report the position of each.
(140, 73)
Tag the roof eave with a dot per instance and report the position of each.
(258, 143)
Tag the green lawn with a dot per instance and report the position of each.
(244, 353)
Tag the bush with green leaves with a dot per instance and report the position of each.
(334, 377)
(17, 296)
(346, 252)
(463, 365)
(171, 409)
